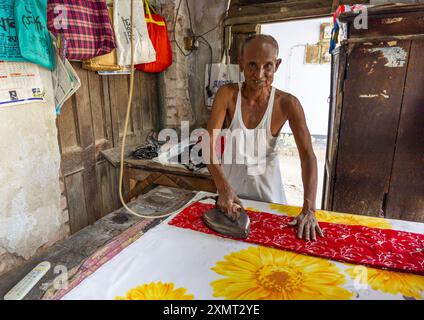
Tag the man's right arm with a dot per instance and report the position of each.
(227, 197)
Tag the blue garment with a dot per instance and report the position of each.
(34, 39)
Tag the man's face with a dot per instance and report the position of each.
(259, 63)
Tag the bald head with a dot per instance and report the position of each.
(260, 38)
(259, 61)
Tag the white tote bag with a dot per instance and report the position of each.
(218, 74)
(144, 52)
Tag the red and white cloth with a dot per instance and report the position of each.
(379, 248)
(211, 267)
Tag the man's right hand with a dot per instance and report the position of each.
(229, 203)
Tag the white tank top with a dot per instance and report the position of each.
(253, 168)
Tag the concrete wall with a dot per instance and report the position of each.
(31, 217)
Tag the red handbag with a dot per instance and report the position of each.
(158, 34)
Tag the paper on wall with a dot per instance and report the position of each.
(20, 82)
(65, 83)
(65, 80)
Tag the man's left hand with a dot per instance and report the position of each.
(307, 225)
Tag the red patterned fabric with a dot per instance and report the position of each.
(379, 248)
(85, 24)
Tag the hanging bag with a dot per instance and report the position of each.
(33, 36)
(218, 74)
(144, 52)
(83, 26)
(9, 44)
(106, 62)
(158, 33)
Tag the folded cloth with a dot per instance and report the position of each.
(379, 248)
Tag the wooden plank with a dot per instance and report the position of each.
(78, 217)
(185, 182)
(387, 9)
(114, 186)
(277, 12)
(406, 193)
(391, 24)
(105, 182)
(114, 111)
(141, 185)
(67, 126)
(338, 67)
(147, 103)
(86, 131)
(372, 99)
(113, 155)
(106, 109)
(137, 105)
(96, 104)
(138, 174)
(159, 167)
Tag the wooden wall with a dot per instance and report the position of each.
(92, 121)
(376, 147)
(266, 11)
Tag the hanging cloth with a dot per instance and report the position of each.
(158, 33)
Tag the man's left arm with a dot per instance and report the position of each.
(306, 222)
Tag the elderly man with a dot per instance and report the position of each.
(256, 106)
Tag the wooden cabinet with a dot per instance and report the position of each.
(375, 154)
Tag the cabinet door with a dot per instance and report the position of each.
(372, 99)
(406, 192)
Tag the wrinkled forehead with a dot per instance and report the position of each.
(259, 49)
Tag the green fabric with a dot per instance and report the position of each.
(34, 39)
(9, 44)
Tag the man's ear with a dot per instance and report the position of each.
(277, 64)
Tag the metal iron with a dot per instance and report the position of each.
(221, 223)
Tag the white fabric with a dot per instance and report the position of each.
(184, 257)
(258, 177)
(144, 52)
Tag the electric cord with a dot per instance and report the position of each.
(127, 117)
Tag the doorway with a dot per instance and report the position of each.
(305, 72)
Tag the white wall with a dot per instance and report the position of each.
(310, 83)
(30, 215)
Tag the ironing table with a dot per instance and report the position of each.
(124, 257)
